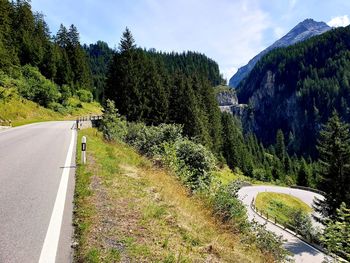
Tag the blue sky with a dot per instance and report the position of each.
(229, 31)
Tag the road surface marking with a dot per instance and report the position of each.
(49, 250)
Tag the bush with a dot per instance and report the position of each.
(150, 140)
(65, 93)
(85, 95)
(57, 107)
(113, 127)
(303, 225)
(269, 242)
(37, 88)
(197, 160)
(229, 208)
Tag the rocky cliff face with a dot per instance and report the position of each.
(267, 101)
(228, 102)
(304, 30)
(227, 98)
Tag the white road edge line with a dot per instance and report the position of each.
(49, 249)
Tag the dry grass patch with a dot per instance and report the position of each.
(129, 211)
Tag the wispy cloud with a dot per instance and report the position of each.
(339, 21)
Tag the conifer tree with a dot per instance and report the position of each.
(303, 174)
(127, 42)
(280, 146)
(336, 235)
(334, 151)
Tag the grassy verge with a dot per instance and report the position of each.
(280, 206)
(226, 175)
(21, 111)
(126, 210)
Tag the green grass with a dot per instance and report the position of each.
(226, 175)
(21, 111)
(280, 206)
(127, 210)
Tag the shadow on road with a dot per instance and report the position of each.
(300, 247)
(70, 167)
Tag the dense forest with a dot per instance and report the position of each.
(298, 88)
(51, 68)
(155, 88)
(99, 56)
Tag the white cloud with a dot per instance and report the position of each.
(278, 32)
(339, 21)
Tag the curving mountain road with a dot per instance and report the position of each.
(36, 192)
(302, 251)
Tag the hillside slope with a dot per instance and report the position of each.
(22, 111)
(127, 210)
(304, 30)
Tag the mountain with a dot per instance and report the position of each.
(304, 30)
(297, 88)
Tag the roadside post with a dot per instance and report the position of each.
(83, 150)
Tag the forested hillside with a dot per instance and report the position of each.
(52, 71)
(155, 87)
(99, 56)
(296, 89)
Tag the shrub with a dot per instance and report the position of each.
(150, 140)
(198, 160)
(65, 93)
(268, 242)
(37, 88)
(85, 95)
(57, 107)
(303, 225)
(229, 208)
(113, 127)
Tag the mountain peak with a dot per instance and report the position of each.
(309, 23)
(302, 31)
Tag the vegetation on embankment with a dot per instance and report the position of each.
(281, 207)
(22, 111)
(30, 97)
(127, 209)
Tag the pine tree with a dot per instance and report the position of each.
(24, 27)
(232, 142)
(280, 146)
(303, 174)
(336, 235)
(61, 37)
(127, 42)
(334, 151)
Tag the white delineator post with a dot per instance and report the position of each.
(83, 150)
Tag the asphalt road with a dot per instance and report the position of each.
(34, 170)
(301, 250)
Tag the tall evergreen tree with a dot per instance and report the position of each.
(280, 146)
(334, 151)
(232, 142)
(303, 174)
(127, 42)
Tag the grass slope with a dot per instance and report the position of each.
(21, 111)
(126, 210)
(281, 206)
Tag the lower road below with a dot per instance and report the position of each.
(302, 251)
